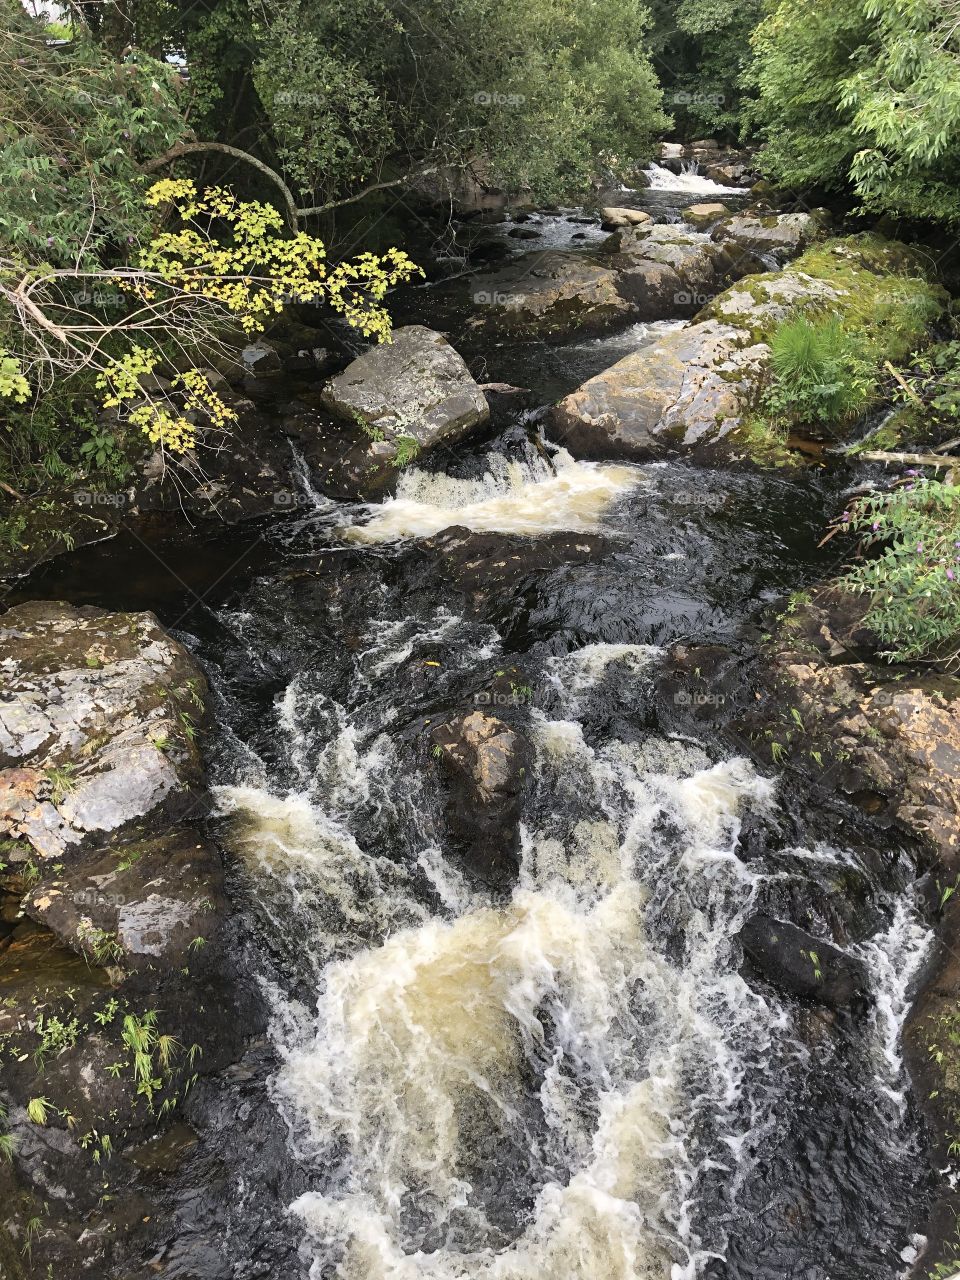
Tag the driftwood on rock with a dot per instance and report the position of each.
(910, 459)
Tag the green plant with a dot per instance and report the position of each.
(38, 1109)
(407, 450)
(819, 374)
(912, 582)
(56, 1036)
(61, 780)
(104, 946)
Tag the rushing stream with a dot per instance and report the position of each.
(569, 1078)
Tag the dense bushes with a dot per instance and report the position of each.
(864, 95)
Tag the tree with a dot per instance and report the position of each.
(865, 97)
(702, 55)
(545, 93)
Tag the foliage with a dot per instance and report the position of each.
(542, 93)
(819, 373)
(702, 50)
(913, 582)
(864, 96)
(229, 261)
(830, 357)
(75, 127)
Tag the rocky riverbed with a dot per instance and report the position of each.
(501, 849)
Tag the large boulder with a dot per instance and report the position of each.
(667, 271)
(686, 391)
(697, 389)
(614, 217)
(98, 718)
(486, 762)
(887, 741)
(778, 236)
(797, 962)
(416, 388)
(550, 296)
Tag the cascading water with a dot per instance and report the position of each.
(575, 1082)
(689, 181)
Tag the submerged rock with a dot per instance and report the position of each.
(796, 961)
(486, 762)
(550, 296)
(416, 388)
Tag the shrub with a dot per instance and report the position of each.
(820, 376)
(913, 582)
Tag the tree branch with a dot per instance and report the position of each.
(367, 191)
(193, 148)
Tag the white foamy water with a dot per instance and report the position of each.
(548, 1034)
(513, 497)
(537, 1088)
(663, 180)
(894, 959)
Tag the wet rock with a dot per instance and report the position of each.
(695, 390)
(483, 564)
(728, 175)
(486, 762)
(38, 530)
(613, 217)
(249, 476)
(685, 392)
(416, 388)
(151, 903)
(889, 743)
(97, 725)
(261, 358)
(796, 961)
(524, 233)
(781, 236)
(704, 215)
(669, 271)
(550, 296)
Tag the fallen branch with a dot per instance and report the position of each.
(911, 459)
(367, 191)
(294, 214)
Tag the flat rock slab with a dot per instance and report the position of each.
(551, 296)
(98, 716)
